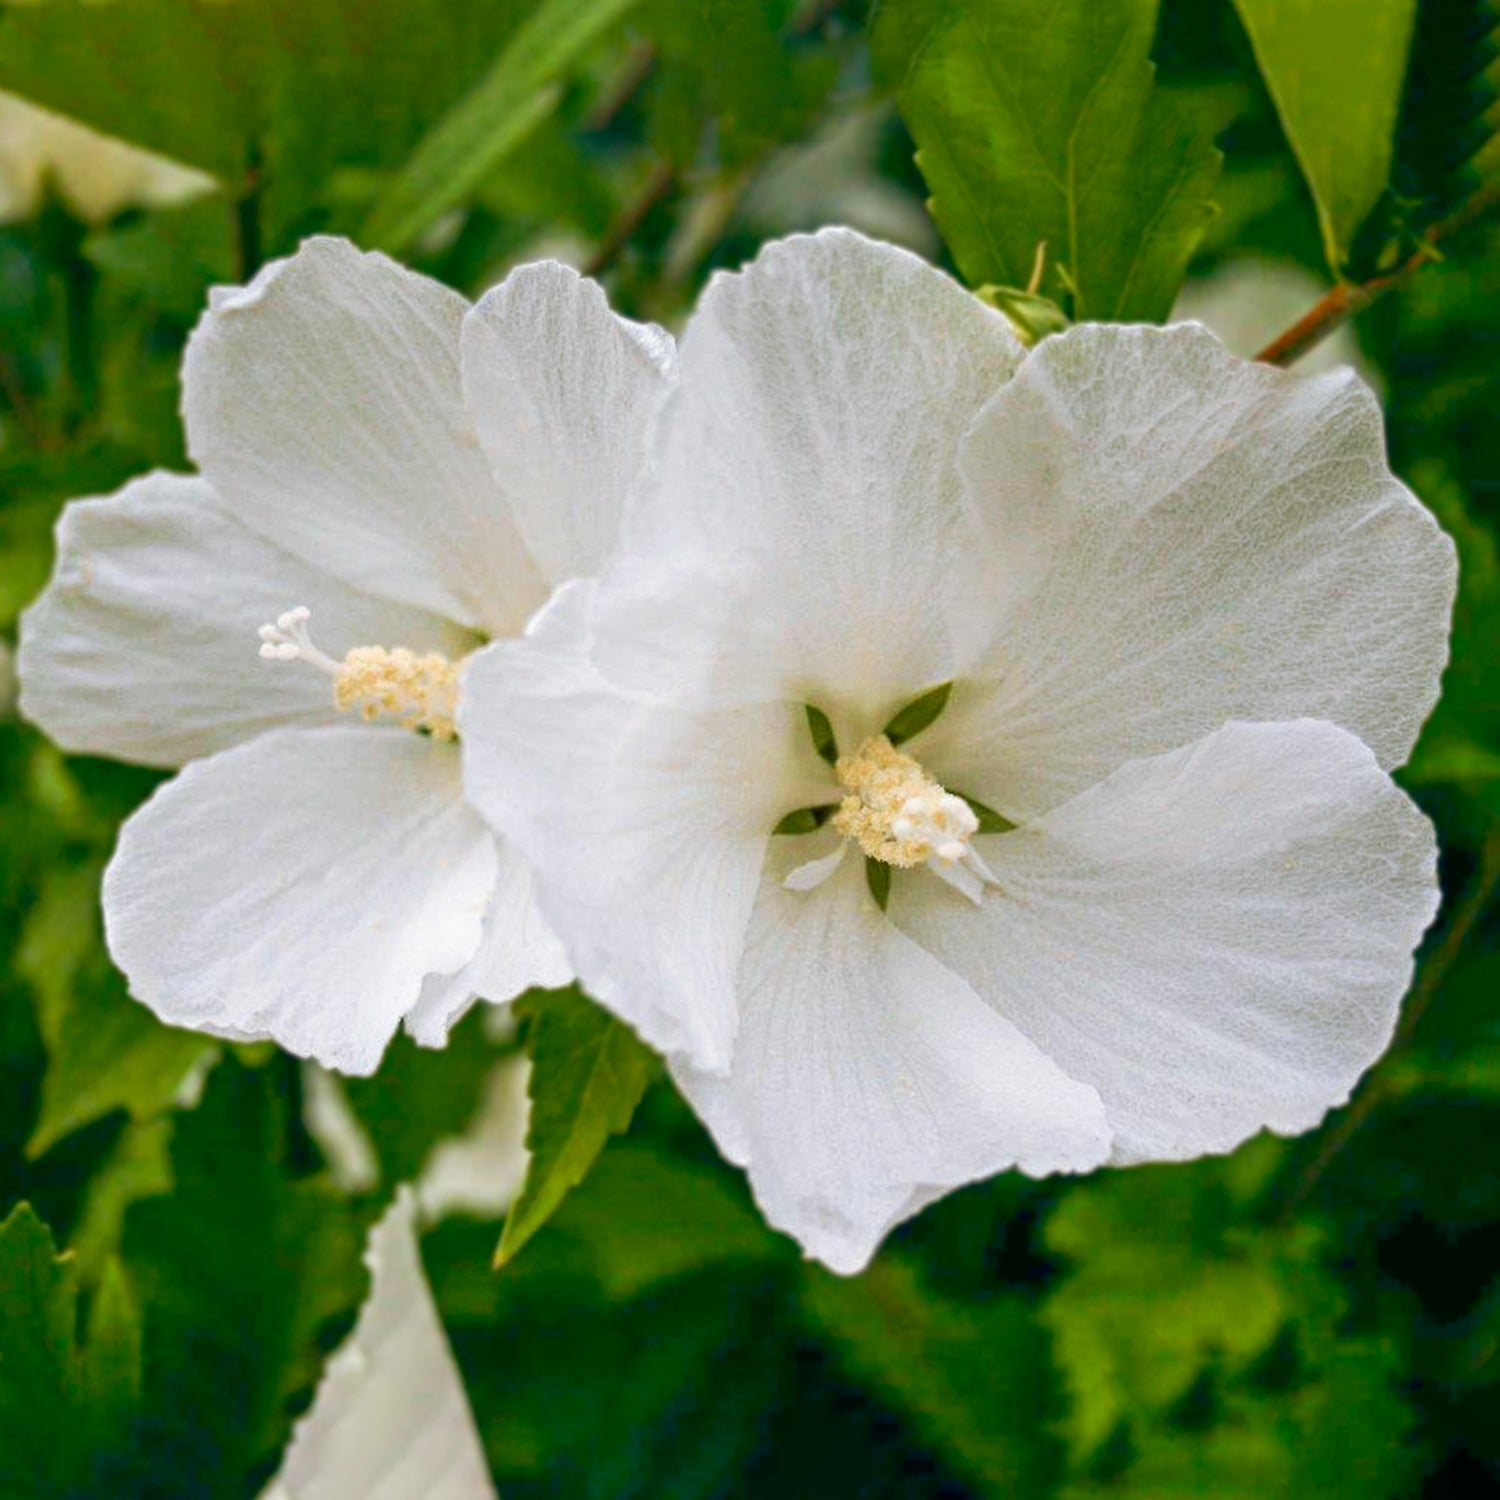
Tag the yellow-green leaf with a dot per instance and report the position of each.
(1335, 70)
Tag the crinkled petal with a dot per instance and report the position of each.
(563, 396)
(391, 1419)
(324, 401)
(1180, 538)
(519, 952)
(646, 825)
(1217, 939)
(868, 1079)
(143, 647)
(805, 533)
(301, 887)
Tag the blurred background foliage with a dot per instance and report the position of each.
(1311, 1317)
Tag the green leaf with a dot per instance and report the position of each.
(1161, 1285)
(1334, 1426)
(240, 1269)
(728, 63)
(974, 1379)
(519, 90)
(1334, 69)
(1448, 143)
(65, 1408)
(105, 1051)
(588, 1072)
(1039, 122)
(1461, 742)
(182, 77)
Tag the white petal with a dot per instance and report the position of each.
(1181, 538)
(1217, 939)
(301, 887)
(391, 1420)
(806, 533)
(143, 647)
(646, 825)
(519, 952)
(324, 402)
(563, 396)
(868, 1079)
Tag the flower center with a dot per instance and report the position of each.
(896, 812)
(420, 691)
(899, 816)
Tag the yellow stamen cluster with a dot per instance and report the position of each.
(895, 811)
(421, 691)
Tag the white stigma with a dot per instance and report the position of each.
(288, 640)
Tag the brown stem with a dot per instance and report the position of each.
(1435, 971)
(1349, 298)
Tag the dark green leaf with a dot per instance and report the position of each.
(105, 1050)
(65, 1408)
(1040, 123)
(240, 1268)
(974, 1379)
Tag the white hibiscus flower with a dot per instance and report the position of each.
(391, 1419)
(1146, 886)
(416, 474)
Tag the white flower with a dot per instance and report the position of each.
(418, 474)
(1188, 615)
(95, 175)
(391, 1419)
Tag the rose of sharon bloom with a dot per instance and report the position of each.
(95, 175)
(1141, 889)
(391, 1419)
(389, 477)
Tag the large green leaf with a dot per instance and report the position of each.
(974, 1379)
(240, 1268)
(1039, 122)
(474, 137)
(1161, 1284)
(1335, 70)
(105, 1051)
(588, 1073)
(65, 1408)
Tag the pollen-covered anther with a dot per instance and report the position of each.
(899, 815)
(421, 691)
(896, 812)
